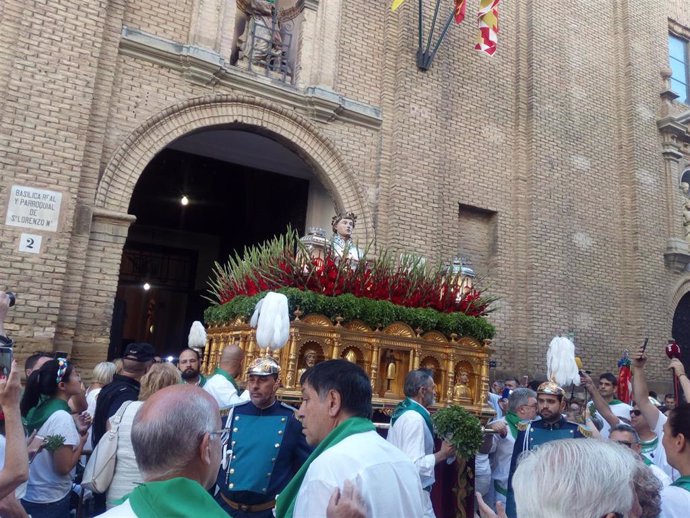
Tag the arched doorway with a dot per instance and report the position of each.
(97, 272)
(206, 195)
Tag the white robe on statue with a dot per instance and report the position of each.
(412, 436)
(384, 476)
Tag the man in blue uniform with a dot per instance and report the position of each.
(264, 449)
(551, 427)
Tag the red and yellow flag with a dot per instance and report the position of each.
(487, 19)
(396, 4)
(460, 7)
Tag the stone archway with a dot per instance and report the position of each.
(110, 221)
(121, 174)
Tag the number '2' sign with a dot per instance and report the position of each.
(30, 243)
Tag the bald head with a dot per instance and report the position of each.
(231, 359)
(179, 418)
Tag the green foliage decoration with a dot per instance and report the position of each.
(460, 428)
(374, 313)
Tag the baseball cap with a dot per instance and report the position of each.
(139, 352)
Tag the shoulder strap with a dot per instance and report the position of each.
(115, 420)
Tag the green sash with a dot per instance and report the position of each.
(228, 377)
(38, 415)
(615, 401)
(512, 419)
(682, 482)
(202, 380)
(174, 498)
(285, 502)
(409, 404)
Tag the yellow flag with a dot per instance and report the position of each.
(396, 4)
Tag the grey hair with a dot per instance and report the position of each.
(520, 397)
(165, 444)
(415, 380)
(562, 479)
(623, 427)
(648, 489)
(103, 372)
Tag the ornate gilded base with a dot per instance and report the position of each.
(386, 355)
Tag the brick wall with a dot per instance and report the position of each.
(555, 137)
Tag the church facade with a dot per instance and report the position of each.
(556, 165)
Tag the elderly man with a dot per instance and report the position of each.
(522, 408)
(264, 449)
(189, 365)
(336, 419)
(567, 479)
(184, 420)
(413, 432)
(627, 436)
(222, 385)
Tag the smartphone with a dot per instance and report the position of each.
(644, 345)
(5, 362)
(60, 354)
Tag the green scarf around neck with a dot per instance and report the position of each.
(38, 415)
(682, 482)
(512, 419)
(229, 377)
(174, 498)
(285, 503)
(410, 404)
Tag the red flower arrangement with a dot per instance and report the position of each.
(285, 263)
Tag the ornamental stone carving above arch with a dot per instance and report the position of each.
(232, 111)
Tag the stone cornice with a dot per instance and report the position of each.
(208, 68)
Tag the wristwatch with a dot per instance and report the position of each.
(5, 341)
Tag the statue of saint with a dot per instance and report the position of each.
(343, 224)
(309, 361)
(462, 392)
(685, 187)
(351, 356)
(391, 370)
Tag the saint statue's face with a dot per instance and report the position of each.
(463, 377)
(310, 358)
(344, 228)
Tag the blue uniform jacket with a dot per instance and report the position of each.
(533, 435)
(264, 450)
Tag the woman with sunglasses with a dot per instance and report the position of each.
(45, 410)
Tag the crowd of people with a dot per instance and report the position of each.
(188, 445)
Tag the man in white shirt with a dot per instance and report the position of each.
(413, 432)
(222, 385)
(607, 389)
(336, 418)
(627, 436)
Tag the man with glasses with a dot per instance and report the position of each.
(413, 432)
(263, 446)
(626, 435)
(522, 408)
(182, 419)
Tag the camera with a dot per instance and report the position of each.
(12, 296)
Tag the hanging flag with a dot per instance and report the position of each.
(396, 4)
(460, 7)
(487, 19)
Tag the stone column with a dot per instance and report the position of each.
(101, 276)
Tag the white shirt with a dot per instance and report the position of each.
(45, 485)
(658, 454)
(620, 410)
(412, 436)
(493, 400)
(91, 397)
(500, 456)
(661, 475)
(223, 391)
(127, 475)
(123, 510)
(675, 502)
(384, 476)
(21, 489)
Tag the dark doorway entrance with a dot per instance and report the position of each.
(195, 204)
(681, 328)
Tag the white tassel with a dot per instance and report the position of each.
(560, 362)
(197, 336)
(271, 319)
